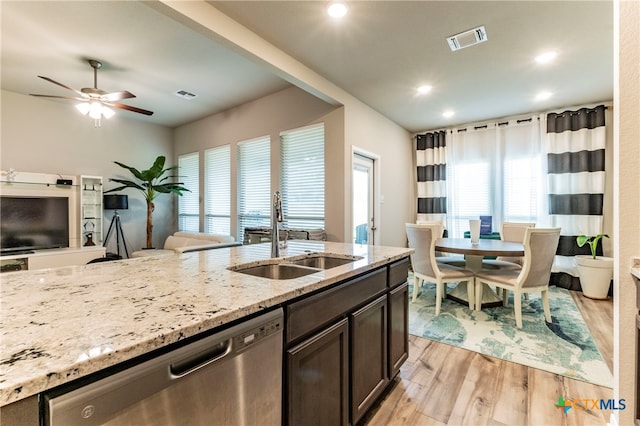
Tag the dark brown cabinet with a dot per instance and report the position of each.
(344, 345)
(318, 378)
(369, 375)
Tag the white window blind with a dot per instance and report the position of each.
(254, 184)
(217, 201)
(189, 202)
(472, 196)
(302, 177)
(494, 170)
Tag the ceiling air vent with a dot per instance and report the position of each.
(467, 38)
(186, 95)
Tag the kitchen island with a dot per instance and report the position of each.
(62, 324)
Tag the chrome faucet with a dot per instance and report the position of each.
(276, 217)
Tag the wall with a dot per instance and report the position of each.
(626, 203)
(48, 136)
(363, 127)
(288, 109)
(369, 131)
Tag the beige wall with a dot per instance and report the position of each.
(627, 203)
(285, 110)
(363, 127)
(45, 136)
(370, 132)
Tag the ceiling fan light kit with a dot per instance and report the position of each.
(96, 102)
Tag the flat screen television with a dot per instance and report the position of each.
(33, 223)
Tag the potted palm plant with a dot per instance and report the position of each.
(595, 271)
(150, 182)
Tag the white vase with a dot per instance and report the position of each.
(595, 275)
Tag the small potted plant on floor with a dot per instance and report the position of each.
(595, 272)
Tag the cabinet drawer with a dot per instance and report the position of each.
(398, 272)
(311, 313)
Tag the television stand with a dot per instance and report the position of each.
(51, 258)
(17, 252)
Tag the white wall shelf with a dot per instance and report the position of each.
(91, 211)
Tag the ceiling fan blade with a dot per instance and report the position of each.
(129, 108)
(116, 96)
(60, 97)
(65, 86)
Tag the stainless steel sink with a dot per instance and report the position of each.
(295, 266)
(277, 271)
(323, 261)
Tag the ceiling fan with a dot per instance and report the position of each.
(95, 101)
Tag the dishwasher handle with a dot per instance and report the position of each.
(202, 359)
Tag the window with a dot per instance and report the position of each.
(217, 202)
(472, 197)
(302, 177)
(494, 171)
(189, 202)
(254, 184)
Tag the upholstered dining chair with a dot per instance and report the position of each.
(422, 239)
(540, 245)
(512, 232)
(440, 258)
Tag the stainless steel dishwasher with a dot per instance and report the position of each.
(233, 377)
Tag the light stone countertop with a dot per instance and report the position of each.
(57, 325)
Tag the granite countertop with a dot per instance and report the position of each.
(61, 324)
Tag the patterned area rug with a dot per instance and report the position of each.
(564, 347)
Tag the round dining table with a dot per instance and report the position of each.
(473, 254)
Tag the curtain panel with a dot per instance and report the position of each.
(498, 170)
(431, 176)
(576, 175)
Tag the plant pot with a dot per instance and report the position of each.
(595, 275)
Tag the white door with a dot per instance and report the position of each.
(362, 200)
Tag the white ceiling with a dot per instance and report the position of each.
(379, 53)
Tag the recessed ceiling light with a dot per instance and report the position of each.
(448, 113)
(337, 9)
(546, 57)
(543, 96)
(424, 89)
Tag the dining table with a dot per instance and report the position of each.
(473, 255)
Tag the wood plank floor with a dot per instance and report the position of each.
(443, 385)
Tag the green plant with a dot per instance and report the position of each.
(592, 241)
(150, 182)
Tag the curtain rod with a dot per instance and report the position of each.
(506, 123)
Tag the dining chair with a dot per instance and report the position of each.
(422, 239)
(440, 258)
(540, 245)
(512, 232)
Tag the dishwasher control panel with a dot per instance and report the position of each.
(250, 337)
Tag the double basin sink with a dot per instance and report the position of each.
(295, 266)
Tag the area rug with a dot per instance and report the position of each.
(564, 347)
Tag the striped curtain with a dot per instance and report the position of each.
(576, 164)
(431, 176)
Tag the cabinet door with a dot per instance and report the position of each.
(398, 328)
(318, 378)
(369, 365)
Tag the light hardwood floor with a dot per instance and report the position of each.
(443, 385)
